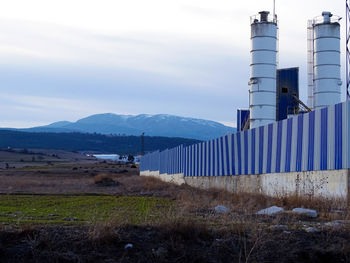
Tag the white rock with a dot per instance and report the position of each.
(306, 212)
(335, 223)
(312, 230)
(220, 209)
(340, 212)
(273, 210)
(129, 246)
(160, 252)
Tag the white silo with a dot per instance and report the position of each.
(262, 93)
(327, 79)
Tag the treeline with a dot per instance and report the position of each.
(88, 142)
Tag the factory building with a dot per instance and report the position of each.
(287, 93)
(282, 145)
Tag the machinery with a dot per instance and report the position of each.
(274, 93)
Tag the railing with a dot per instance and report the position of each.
(246, 122)
(257, 19)
(320, 19)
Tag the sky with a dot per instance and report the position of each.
(65, 60)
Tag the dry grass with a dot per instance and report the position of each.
(192, 199)
(100, 177)
(189, 232)
(104, 232)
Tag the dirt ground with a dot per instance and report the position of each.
(190, 231)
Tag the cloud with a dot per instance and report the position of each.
(66, 59)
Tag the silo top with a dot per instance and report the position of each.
(262, 18)
(326, 18)
(264, 15)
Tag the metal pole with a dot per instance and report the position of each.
(274, 10)
(143, 144)
(347, 50)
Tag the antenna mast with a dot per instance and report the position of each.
(274, 9)
(143, 144)
(347, 48)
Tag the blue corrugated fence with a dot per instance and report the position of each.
(318, 140)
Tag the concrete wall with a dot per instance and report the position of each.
(330, 184)
(169, 178)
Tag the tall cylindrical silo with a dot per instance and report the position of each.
(262, 93)
(327, 79)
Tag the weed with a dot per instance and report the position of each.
(100, 177)
(80, 209)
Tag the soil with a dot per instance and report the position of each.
(193, 233)
(107, 182)
(165, 244)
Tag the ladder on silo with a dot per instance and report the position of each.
(310, 63)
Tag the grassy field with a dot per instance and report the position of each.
(93, 211)
(53, 209)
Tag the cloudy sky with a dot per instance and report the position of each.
(67, 59)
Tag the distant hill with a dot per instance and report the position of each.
(87, 142)
(152, 125)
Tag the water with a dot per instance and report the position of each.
(113, 157)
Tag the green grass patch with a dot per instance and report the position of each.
(36, 209)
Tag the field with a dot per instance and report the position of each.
(65, 207)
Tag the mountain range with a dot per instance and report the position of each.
(88, 142)
(151, 125)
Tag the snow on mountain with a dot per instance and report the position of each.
(152, 125)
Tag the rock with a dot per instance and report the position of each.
(337, 223)
(17, 213)
(160, 252)
(107, 182)
(127, 246)
(312, 230)
(344, 222)
(307, 212)
(28, 218)
(339, 212)
(273, 210)
(220, 209)
(333, 224)
(10, 229)
(51, 215)
(70, 219)
(279, 227)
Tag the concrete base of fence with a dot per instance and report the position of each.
(170, 178)
(329, 184)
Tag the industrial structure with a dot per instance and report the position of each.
(279, 133)
(327, 82)
(287, 93)
(242, 119)
(263, 66)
